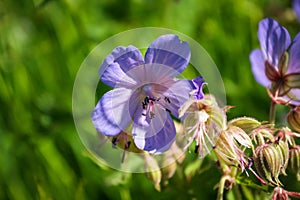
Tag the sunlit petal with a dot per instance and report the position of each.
(168, 50)
(111, 114)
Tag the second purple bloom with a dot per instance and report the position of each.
(277, 65)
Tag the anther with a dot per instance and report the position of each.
(114, 140)
(128, 145)
(169, 111)
(167, 99)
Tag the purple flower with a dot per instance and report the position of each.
(296, 7)
(277, 65)
(145, 93)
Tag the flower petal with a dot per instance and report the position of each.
(111, 114)
(153, 139)
(293, 80)
(296, 7)
(294, 58)
(274, 40)
(114, 76)
(153, 73)
(258, 68)
(178, 93)
(170, 51)
(198, 83)
(114, 67)
(293, 96)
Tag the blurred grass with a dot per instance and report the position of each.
(43, 43)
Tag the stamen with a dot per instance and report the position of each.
(148, 105)
(114, 142)
(167, 99)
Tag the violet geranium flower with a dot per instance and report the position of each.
(296, 7)
(145, 93)
(277, 65)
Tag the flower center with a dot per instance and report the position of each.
(149, 105)
(147, 89)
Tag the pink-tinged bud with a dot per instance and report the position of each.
(293, 118)
(282, 194)
(294, 161)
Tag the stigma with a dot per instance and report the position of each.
(147, 89)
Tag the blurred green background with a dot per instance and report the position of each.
(42, 45)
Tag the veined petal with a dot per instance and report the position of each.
(114, 76)
(114, 67)
(170, 51)
(293, 80)
(296, 7)
(153, 139)
(111, 114)
(198, 83)
(153, 73)
(294, 58)
(293, 96)
(178, 93)
(258, 67)
(274, 40)
(188, 107)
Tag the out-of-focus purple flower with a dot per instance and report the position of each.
(145, 92)
(296, 7)
(277, 65)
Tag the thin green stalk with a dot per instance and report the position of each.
(221, 187)
(272, 112)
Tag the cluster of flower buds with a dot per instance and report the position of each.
(233, 140)
(271, 160)
(276, 149)
(230, 146)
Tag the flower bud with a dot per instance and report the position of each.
(283, 149)
(294, 161)
(268, 162)
(173, 156)
(245, 123)
(230, 145)
(282, 194)
(293, 118)
(154, 173)
(262, 135)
